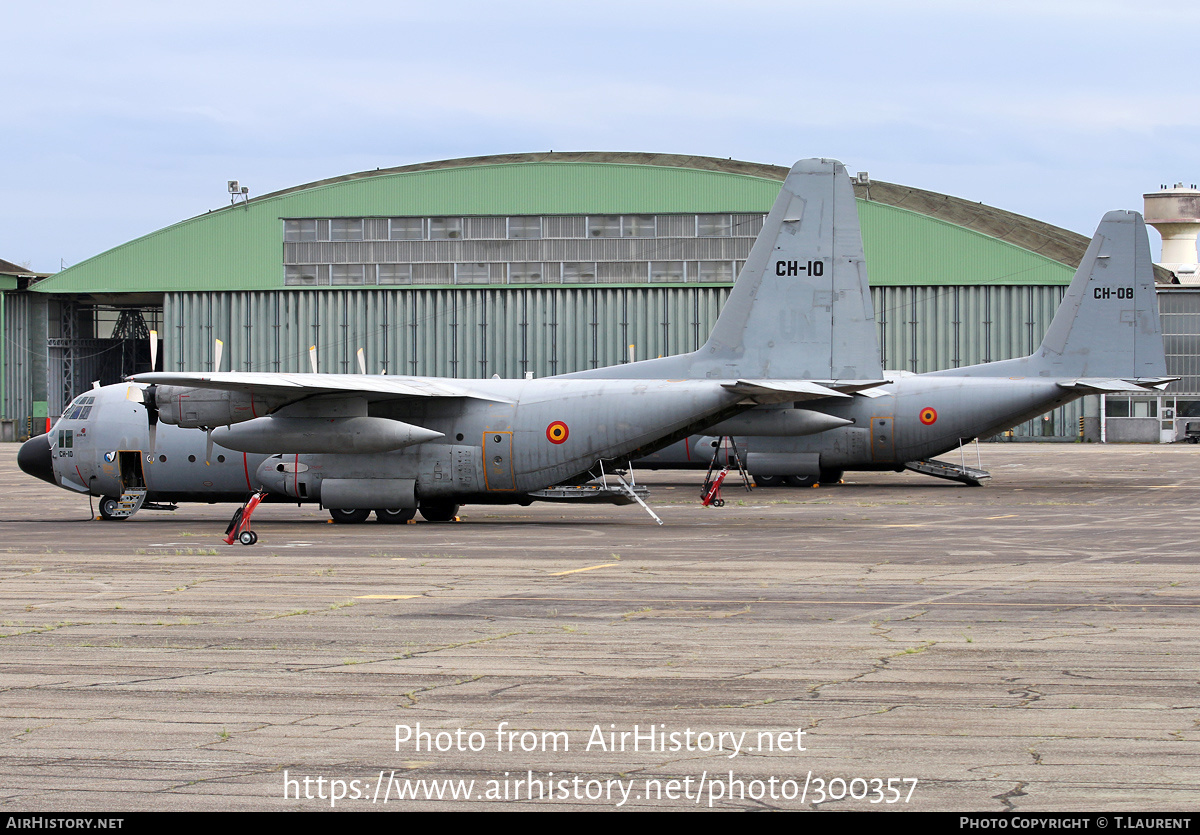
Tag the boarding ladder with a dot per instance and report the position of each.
(970, 476)
(129, 503)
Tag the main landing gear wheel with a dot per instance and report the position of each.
(247, 537)
(395, 515)
(439, 512)
(348, 517)
(768, 480)
(832, 476)
(800, 480)
(108, 506)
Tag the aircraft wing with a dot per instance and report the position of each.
(764, 392)
(1101, 385)
(295, 413)
(290, 386)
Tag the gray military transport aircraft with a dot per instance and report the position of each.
(1104, 338)
(393, 445)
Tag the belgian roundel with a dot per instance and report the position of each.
(929, 416)
(557, 432)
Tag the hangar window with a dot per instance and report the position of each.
(352, 273)
(407, 228)
(300, 230)
(306, 275)
(526, 273)
(395, 273)
(637, 226)
(714, 226)
(346, 229)
(667, 271)
(716, 271)
(472, 273)
(443, 228)
(604, 226)
(576, 272)
(524, 227)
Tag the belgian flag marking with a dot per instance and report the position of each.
(557, 432)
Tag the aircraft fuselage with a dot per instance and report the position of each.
(914, 417)
(530, 435)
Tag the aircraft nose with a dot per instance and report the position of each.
(36, 459)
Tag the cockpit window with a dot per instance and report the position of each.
(80, 408)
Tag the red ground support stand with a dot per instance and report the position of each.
(713, 495)
(239, 525)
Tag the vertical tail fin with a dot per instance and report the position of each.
(801, 306)
(1107, 324)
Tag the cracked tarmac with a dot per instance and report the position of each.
(1027, 646)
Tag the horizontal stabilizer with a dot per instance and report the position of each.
(1103, 386)
(765, 392)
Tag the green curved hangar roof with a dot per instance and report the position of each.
(911, 237)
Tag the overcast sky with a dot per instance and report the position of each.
(122, 118)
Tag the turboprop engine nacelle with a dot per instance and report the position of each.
(196, 408)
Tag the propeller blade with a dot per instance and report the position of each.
(150, 401)
(362, 362)
(218, 349)
(208, 449)
(312, 358)
(153, 350)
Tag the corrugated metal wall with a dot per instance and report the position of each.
(17, 378)
(439, 333)
(474, 333)
(931, 328)
(1179, 308)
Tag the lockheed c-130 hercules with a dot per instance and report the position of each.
(1105, 337)
(393, 445)
(792, 364)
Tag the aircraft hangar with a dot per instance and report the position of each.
(542, 264)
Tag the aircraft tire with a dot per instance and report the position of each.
(831, 476)
(439, 512)
(768, 480)
(348, 517)
(395, 515)
(108, 506)
(800, 480)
